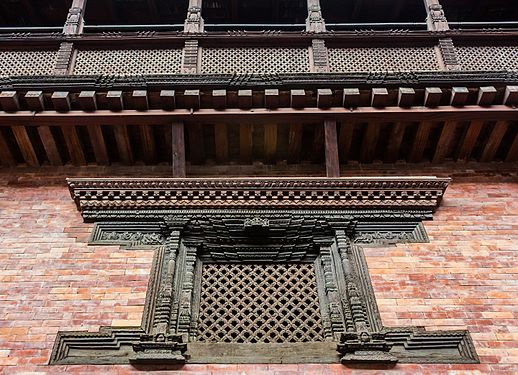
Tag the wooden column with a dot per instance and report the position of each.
(315, 22)
(75, 18)
(194, 20)
(245, 142)
(331, 147)
(178, 161)
(25, 145)
(436, 19)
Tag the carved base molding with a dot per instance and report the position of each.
(239, 264)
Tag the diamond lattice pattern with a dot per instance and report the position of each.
(259, 303)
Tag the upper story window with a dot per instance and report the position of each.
(372, 14)
(253, 14)
(481, 14)
(34, 14)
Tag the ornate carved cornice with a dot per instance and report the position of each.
(408, 193)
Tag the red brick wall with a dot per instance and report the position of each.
(466, 277)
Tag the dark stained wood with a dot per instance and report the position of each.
(168, 99)
(445, 139)
(512, 154)
(9, 101)
(115, 100)
(379, 97)
(324, 98)
(148, 143)
(34, 100)
(49, 144)
(511, 95)
(6, 156)
(345, 140)
(219, 98)
(459, 96)
(192, 98)
(123, 144)
(98, 144)
(470, 139)
(298, 98)
(221, 139)
(87, 100)
(61, 101)
(178, 162)
(394, 142)
(317, 150)
(245, 142)
(496, 135)
(75, 150)
(294, 142)
(270, 141)
(196, 145)
(140, 100)
(351, 98)
(486, 95)
(271, 98)
(420, 141)
(331, 149)
(25, 145)
(244, 98)
(432, 96)
(396, 8)
(406, 96)
(370, 140)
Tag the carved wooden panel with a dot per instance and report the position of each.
(254, 60)
(488, 58)
(382, 59)
(128, 62)
(270, 303)
(25, 63)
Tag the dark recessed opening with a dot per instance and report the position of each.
(135, 12)
(34, 13)
(480, 10)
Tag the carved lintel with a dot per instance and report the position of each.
(256, 225)
(160, 348)
(194, 22)
(365, 347)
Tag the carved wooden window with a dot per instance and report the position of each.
(260, 271)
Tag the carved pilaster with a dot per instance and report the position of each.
(190, 57)
(319, 56)
(436, 19)
(194, 21)
(448, 54)
(315, 22)
(75, 22)
(64, 59)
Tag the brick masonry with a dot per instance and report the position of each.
(50, 279)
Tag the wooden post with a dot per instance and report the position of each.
(75, 18)
(194, 20)
(178, 160)
(315, 22)
(331, 147)
(436, 20)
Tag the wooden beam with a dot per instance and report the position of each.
(512, 154)
(298, 98)
(459, 96)
(140, 100)
(9, 101)
(496, 135)
(115, 101)
(394, 142)
(324, 98)
(271, 98)
(196, 145)
(345, 140)
(245, 142)
(168, 99)
(148, 143)
(61, 101)
(244, 98)
(486, 95)
(98, 144)
(445, 139)
(331, 149)
(260, 115)
(270, 141)
(511, 95)
(294, 143)
(75, 150)
(470, 140)
(219, 99)
(123, 144)
(192, 98)
(379, 97)
(87, 101)
(317, 150)
(420, 142)
(6, 156)
(432, 96)
(34, 100)
(221, 140)
(25, 145)
(351, 98)
(49, 144)
(406, 97)
(178, 162)
(370, 140)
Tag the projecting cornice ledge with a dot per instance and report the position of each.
(368, 193)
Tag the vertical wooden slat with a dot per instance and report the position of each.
(317, 149)
(49, 144)
(370, 140)
(75, 150)
(443, 144)
(394, 142)
(270, 141)
(512, 154)
(420, 141)
(148, 143)
(245, 142)
(221, 140)
(123, 144)
(345, 140)
(331, 149)
(178, 162)
(26, 147)
(294, 142)
(196, 145)
(99, 145)
(493, 142)
(470, 139)
(6, 156)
